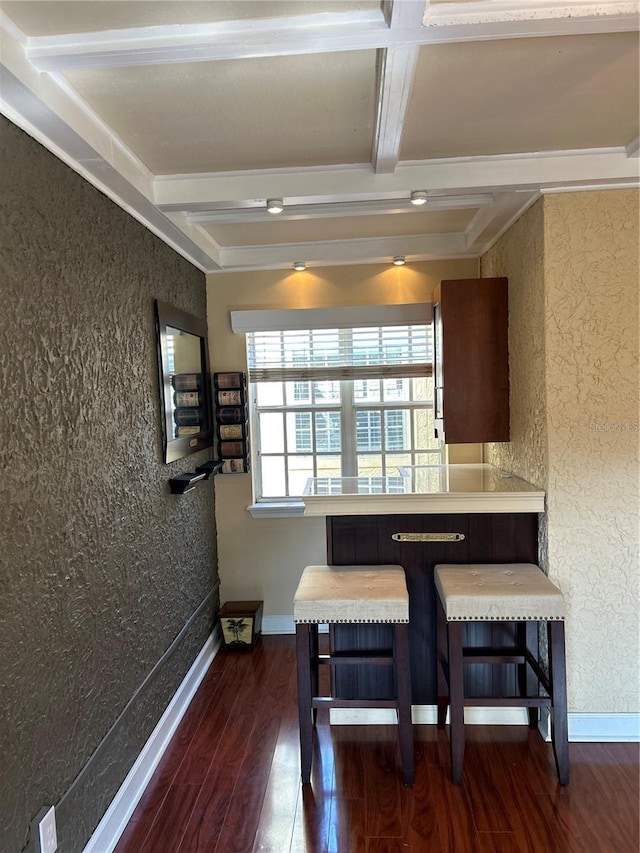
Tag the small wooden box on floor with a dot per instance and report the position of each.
(241, 622)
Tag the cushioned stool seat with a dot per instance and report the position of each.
(352, 594)
(512, 592)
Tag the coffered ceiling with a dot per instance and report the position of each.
(191, 114)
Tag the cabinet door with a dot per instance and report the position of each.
(438, 374)
(471, 359)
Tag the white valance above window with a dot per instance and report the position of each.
(335, 317)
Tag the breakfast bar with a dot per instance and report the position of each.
(418, 518)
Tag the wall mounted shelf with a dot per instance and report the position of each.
(184, 483)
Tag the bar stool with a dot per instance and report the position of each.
(515, 592)
(354, 594)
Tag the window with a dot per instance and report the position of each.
(339, 402)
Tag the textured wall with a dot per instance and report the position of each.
(101, 568)
(592, 291)
(572, 261)
(519, 256)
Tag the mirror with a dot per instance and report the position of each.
(185, 400)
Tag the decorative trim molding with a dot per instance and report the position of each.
(115, 819)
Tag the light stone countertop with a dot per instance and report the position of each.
(423, 489)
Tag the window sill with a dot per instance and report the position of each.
(295, 509)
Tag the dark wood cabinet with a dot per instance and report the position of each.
(471, 360)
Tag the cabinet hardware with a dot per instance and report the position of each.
(427, 537)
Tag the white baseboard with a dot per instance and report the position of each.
(115, 819)
(284, 625)
(594, 728)
(278, 625)
(583, 728)
(426, 715)
(586, 728)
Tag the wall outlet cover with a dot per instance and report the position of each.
(44, 830)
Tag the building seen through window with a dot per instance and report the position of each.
(334, 403)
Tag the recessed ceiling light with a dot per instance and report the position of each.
(399, 260)
(300, 266)
(275, 205)
(419, 197)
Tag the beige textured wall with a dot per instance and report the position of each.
(519, 255)
(263, 558)
(592, 291)
(572, 261)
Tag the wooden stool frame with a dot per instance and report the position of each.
(453, 656)
(308, 662)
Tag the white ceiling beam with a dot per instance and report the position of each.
(285, 37)
(491, 221)
(396, 69)
(58, 119)
(395, 78)
(298, 34)
(337, 252)
(48, 101)
(237, 216)
(456, 174)
(198, 236)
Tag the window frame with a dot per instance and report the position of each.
(349, 453)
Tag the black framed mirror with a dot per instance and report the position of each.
(185, 397)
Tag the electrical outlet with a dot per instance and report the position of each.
(44, 831)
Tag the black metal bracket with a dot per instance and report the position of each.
(209, 469)
(184, 483)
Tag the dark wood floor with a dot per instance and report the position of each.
(229, 782)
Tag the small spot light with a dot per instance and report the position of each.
(418, 197)
(299, 266)
(275, 205)
(399, 260)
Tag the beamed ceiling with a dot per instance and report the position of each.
(190, 115)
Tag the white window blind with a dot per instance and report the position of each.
(332, 354)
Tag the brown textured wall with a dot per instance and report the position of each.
(108, 582)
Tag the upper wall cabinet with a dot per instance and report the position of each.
(471, 360)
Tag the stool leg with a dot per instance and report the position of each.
(527, 680)
(314, 651)
(558, 680)
(441, 663)
(456, 700)
(303, 663)
(403, 693)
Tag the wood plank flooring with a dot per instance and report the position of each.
(229, 782)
